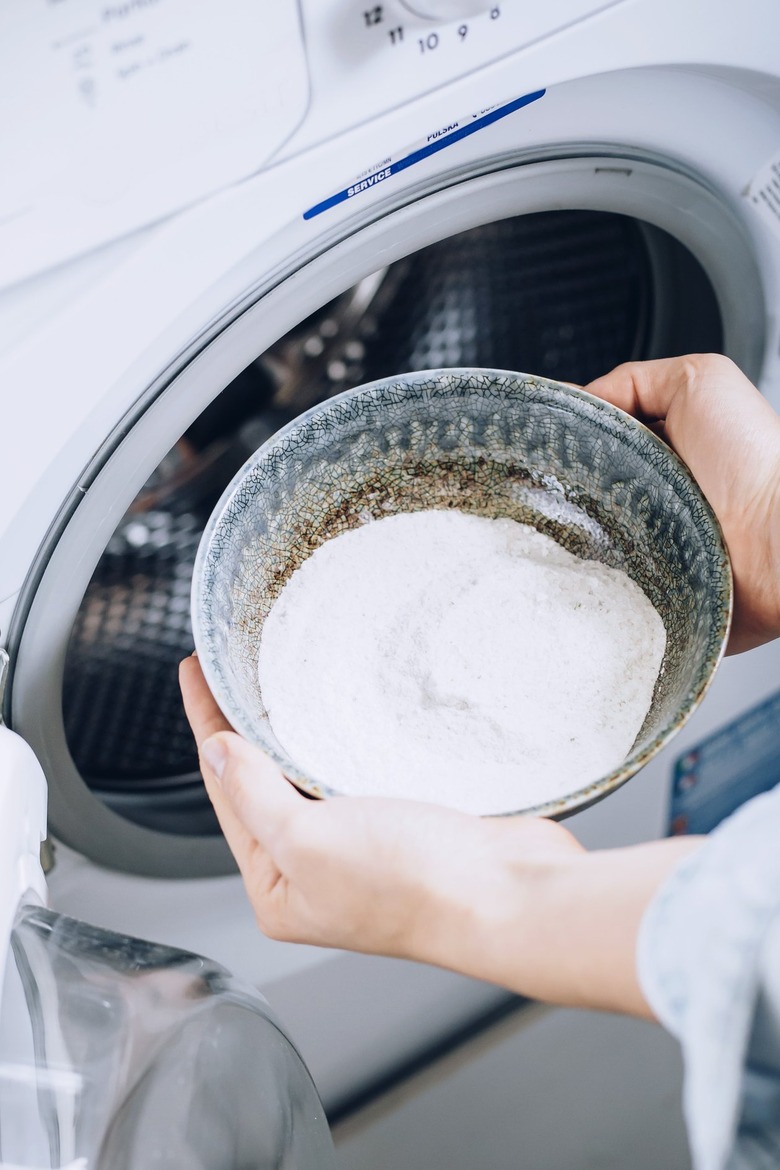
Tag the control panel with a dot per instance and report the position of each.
(368, 58)
(125, 112)
(119, 113)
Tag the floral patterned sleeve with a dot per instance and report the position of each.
(709, 966)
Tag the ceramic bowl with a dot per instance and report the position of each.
(485, 441)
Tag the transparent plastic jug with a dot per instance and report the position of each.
(117, 1054)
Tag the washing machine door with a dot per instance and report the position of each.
(119, 1054)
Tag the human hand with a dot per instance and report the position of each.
(729, 436)
(516, 901)
(367, 874)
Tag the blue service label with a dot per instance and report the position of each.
(721, 773)
(437, 140)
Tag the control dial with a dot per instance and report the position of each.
(445, 10)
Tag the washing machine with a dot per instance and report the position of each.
(213, 216)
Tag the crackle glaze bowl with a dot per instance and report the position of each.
(485, 441)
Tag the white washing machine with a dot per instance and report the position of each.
(211, 216)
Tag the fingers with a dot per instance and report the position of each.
(203, 713)
(648, 389)
(250, 795)
(686, 391)
(206, 719)
(727, 433)
(711, 414)
(259, 795)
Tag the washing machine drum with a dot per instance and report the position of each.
(117, 1054)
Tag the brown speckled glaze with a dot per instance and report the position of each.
(486, 441)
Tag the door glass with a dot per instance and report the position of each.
(118, 1054)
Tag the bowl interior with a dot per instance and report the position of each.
(489, 442)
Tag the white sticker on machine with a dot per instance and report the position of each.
(764, 192)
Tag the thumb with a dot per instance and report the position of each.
(253, 785)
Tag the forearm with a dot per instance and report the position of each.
(563, 932)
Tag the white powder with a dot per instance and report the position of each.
(459, 660)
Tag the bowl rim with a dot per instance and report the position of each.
(558, 807)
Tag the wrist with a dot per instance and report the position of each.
(489, 920)
(558, 925)
(599, 907)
